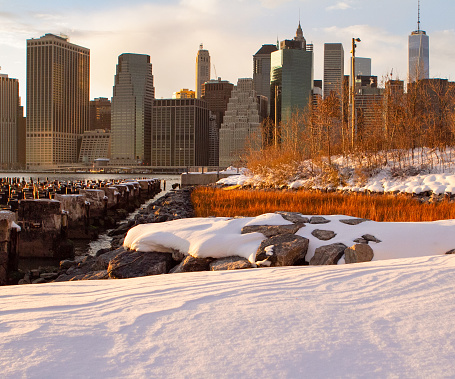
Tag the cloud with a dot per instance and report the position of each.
(340, 5)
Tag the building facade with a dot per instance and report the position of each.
(362, 66)
(291, 78)
(217, 94)
(242, 122)
(180, 133)
(11, 121)
(94, 144)
(100, 114)
(184, 93)
(202, 69)
(132, 111)
(261, 70)
(58, 89)
(333, 69)
(418, 54)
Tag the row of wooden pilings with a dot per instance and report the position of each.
(41, 227)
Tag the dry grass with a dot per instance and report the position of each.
(239, 202)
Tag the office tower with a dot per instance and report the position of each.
(419, 54)
(291, 78)
(95, 144)
(333, 69)
(362, 66)
(242, 121)
(180, 133)
(11, 117)
(58, 86)
(217, 94)
(131, 110)
(261, 70)
(317, 92)
(100, 114)
(184, 93)
(202, 69)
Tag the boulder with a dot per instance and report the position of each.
(230, 263)
(132, 264)
(294, 217)
(284, 250)
(361, 240)
(318, 220)
(328, 254)
(92, 275)
(323, 235)
(353, 221)
(122, 229)
(102, 261)
(271, 230)
(371, 238)
(451, 251)
(358, 253)
(190, 264)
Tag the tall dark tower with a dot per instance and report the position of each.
(419, 53)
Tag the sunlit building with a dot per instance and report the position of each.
(202, 69)
(95, 144)
(132, 111)
(184, 93)
(261, 70)
(58, 88)
(100, 114)
(333, 69)
(419, 54)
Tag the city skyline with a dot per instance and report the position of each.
(109, 29)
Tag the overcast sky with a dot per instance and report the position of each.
(170, 31)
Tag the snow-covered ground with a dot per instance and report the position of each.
(384, 319)
(425, 170)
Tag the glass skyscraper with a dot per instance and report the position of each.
(419, 54)
(132, 110)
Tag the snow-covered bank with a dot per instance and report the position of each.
(221, 237)
(380, 319)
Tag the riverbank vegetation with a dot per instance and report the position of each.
(242, 202)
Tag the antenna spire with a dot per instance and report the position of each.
(418, 17)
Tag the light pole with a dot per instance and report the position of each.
(353, 126)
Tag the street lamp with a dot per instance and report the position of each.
(353, 126)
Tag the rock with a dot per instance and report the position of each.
(361, 240)
(66, 264)
(102, 251)
(451, 251)
(371, 238)
(284, 250)
(93, 275)
(23, 281)
(323, 235)
(39, 281)
(353, 221)
(102, 261)
(294, 217)
(271, 230)
(318, 220)
(178, 256)
(122, 229)
(230, 263)
(328, 254)
(191, 264)
(132, 264)
(358, 253)
(49, 275)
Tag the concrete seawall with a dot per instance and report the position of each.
(198, 179)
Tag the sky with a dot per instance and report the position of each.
(170, 31)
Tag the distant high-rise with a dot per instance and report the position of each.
(184, 93)
(131, 110)
(58, 87)
(362, 66)
(242, 120)
(333, 69)
(419, 54)
(180, 133)
(202, 69)
(100, 114)
(217, 94)
(261, 70)
(291, 77)
(11, 116)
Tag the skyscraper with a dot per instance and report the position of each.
(261, 70)
(132, 110)
(202, 69)
(242, 120)
(291, 77)
(58, 86)
(362, 66)
(10, 120)
(100, 114)
(419, 54)
(333, 69)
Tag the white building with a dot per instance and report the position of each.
(242, 121)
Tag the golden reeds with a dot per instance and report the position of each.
(239, 202)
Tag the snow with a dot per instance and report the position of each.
(220, 237)
(391, 318)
